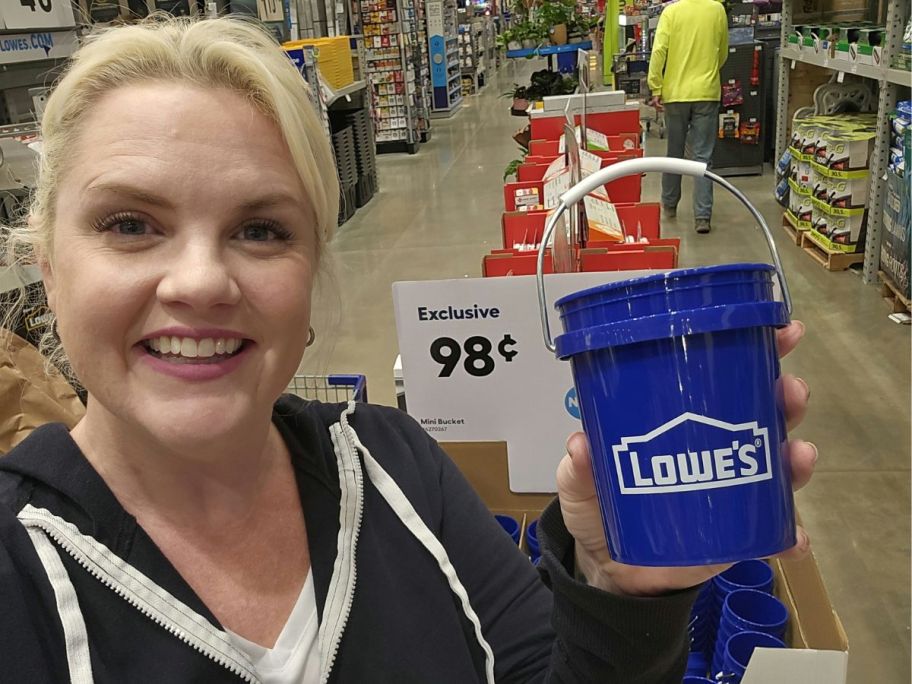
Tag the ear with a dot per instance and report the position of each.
(47, 274)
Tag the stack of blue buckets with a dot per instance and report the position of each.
(734, 614)
(511, 526)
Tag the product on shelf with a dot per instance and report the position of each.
(829, 177)
(896, 241)
(397, 69)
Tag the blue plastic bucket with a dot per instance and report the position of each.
(532, 540)
(677, 376)
(510, 525)
(747, 610)
(738, 652)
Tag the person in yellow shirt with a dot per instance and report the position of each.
(690, 46)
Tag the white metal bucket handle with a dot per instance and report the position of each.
(630, 167)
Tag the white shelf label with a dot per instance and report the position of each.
(602, 216)
(474, 367)
(36, 14)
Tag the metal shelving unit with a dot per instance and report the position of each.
(443, 47)
(889, 81)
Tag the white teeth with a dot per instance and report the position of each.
(188, 348)
(191, 348)
(205, 348)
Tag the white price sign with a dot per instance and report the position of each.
(37, 14)
(602, 216)
(589, 163)
(555, 167)
(475, 367)
(270, 10)
(555, 187)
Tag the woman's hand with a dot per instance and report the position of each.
(579, 505)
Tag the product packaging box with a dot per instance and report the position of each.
(896, 242)
(819, 648)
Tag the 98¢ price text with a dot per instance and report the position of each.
(477, 354)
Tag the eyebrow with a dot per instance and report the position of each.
(266, 201)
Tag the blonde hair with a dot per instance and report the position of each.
(228, 52)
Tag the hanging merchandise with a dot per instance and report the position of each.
(728, 125)
(749, 132)
(755, 70)
(732, 95)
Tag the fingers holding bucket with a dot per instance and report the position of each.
(789, 337)
(803, 458)
(795, 393)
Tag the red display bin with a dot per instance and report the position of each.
(616, 143)
(625, 121)
(616, 258)
(527, 227)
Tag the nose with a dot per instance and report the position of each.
(200, 276)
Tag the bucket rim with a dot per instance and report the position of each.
(667, 275)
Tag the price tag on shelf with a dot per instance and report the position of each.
(840, 77)
(36, 14)
(589, 163)
(555, 167)
(475, 368)
(555, 187)
(602, 216)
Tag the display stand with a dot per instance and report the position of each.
(567, 65)
(443, 48)
(889, 81)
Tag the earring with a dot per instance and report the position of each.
(311, 337)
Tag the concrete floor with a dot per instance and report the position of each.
(438, 212)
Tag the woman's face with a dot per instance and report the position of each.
(182, 261)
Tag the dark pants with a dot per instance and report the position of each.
(701, 120)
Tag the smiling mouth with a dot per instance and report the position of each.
(189, 350)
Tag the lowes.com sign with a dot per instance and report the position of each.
(693, 452)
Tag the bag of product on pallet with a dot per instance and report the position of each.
(897, 224)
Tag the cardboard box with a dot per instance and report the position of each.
(818, 644)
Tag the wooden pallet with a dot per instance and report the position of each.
(794, 232)
(831, 260)
(891, 294)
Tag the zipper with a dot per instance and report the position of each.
(158, 605)
(345, 570)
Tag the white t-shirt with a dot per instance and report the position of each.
(295, 658)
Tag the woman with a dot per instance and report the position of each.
(193, 528)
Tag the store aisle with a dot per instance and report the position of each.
(438, 213)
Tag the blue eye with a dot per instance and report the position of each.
(264, 232)
(130, 227)
(123, 224)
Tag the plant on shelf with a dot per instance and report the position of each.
(556, 16)
(520, 95)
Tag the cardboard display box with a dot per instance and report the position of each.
(819, 647)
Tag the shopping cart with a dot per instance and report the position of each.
(329, 388)
(631, 70)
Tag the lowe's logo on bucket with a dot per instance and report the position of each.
(693, 452)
